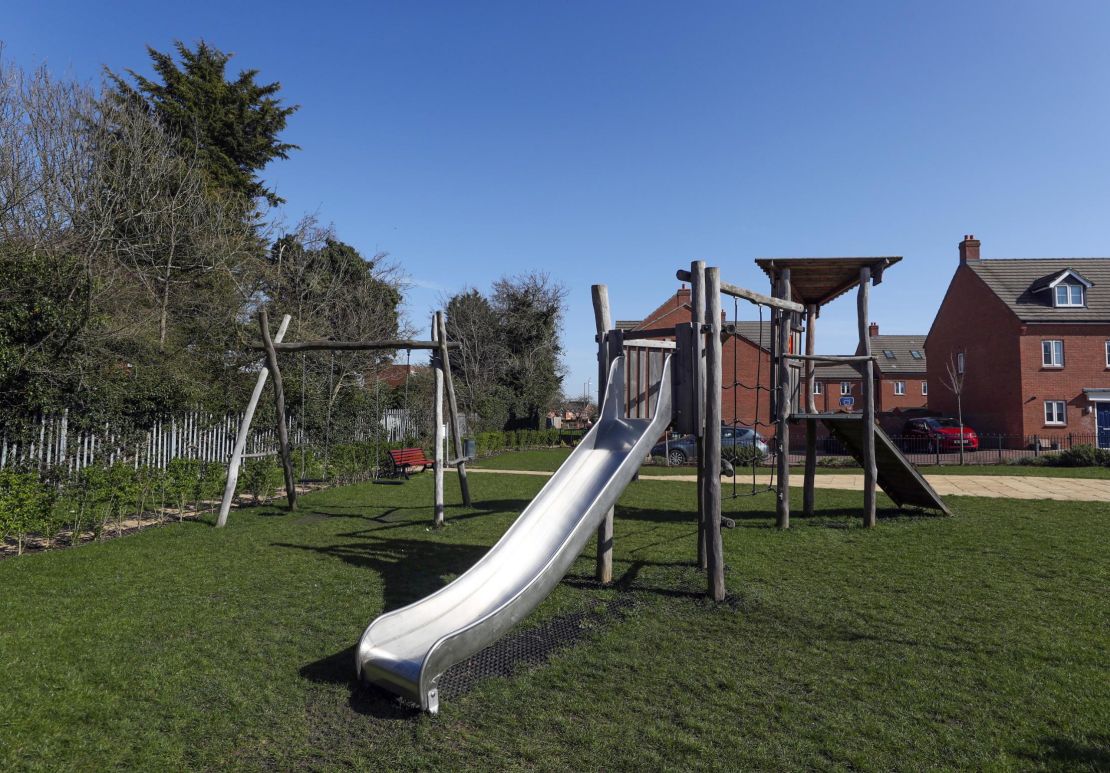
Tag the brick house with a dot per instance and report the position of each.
(746, 358)
(901, 381)
(1031, 337)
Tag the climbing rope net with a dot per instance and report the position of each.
(736, 447)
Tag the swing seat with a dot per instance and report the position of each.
(405, 458)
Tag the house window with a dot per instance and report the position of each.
(1054, 412)
(1052, 354)
(845, 387)
(899, 387)
(960, 362)
(924, 387)
(888, 353)
(818, 388)
(916, 354)
(1108, 354)
(1069, 295)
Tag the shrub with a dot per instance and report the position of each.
(839, 462)
(24, 503)
(1084, 456)
(260, 477)
(742, 456)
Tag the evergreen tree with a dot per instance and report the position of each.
(233, 125)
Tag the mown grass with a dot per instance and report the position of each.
(977, 641)
(549, 459)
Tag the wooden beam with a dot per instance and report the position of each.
(237, 454)
(807, 357)
(749, 295)
(358, 346)
(439, 518)
(602, 323)
(279, 402)
(782, 406)
(809, 481)
(655, 332)
(867, 370)
(650, 343)
(697, 295)
(453, 409)
(712, 467)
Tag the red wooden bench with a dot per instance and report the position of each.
(404, 458)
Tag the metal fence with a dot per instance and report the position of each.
(991, 449)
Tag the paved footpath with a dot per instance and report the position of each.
(996, 486)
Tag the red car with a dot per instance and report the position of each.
(943, 435)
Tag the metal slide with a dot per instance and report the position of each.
(407, 650)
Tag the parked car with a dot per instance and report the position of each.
(944, 435)
(684, 449)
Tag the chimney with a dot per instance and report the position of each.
(969, 248)
(873, 329)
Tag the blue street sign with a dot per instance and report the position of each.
(847, 402)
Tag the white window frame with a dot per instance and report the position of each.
(845, 388)
(960, 362)
(924, 388)
(899, 387)
(1070, 289)
(1055, 413)
(818, 387)
(1052, 353)
(1108, 354)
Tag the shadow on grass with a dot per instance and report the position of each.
(364, 699)
(628, 582)
(410, 569)
(1094, 755)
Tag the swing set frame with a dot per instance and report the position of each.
(272, 346)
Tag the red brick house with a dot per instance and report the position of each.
(746, 359)
(1031, 338)
(900, 377)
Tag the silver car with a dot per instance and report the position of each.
(684, 449)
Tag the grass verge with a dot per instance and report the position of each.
(969, 642)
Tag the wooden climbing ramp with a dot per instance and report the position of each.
(897, 477)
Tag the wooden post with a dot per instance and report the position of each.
(811, 406)
(453, 408)
(279, 404)
(711, 506)
(697, 298)
(244, 432)
(439, 434)
(867, 371)
(782, 404)
(602, 322)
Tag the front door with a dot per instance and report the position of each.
(1103, 425)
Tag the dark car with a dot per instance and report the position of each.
(684, 449)
(932, 434)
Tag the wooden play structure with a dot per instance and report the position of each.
(272, 346)
(800, 287)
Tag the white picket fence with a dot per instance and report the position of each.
(50, 442)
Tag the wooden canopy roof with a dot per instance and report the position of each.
(820, 280)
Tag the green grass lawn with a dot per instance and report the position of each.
(550, 458)
(978, 641)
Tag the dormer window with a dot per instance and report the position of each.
(1070, 295)
(1066, 289)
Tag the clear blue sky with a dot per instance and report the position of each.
(614, 142)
